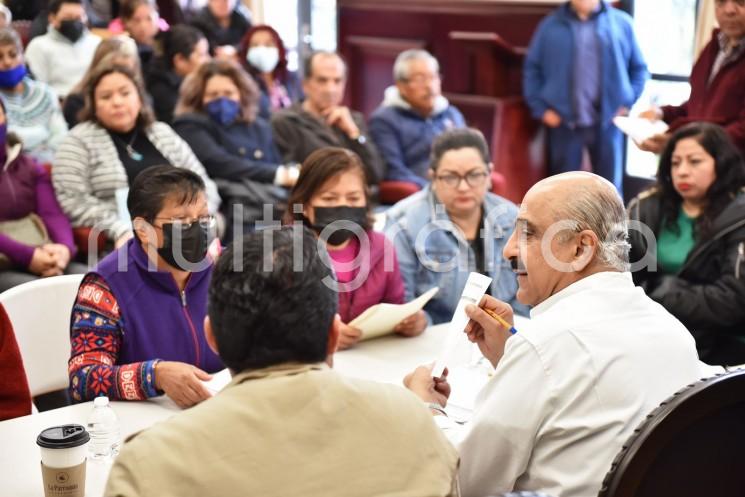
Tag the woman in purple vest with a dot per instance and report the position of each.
(137, 321)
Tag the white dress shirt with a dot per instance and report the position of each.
(571, 388)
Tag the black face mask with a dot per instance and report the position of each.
(72, 29)
(194, 243)
(327, 215)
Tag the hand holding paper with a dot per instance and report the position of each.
(638, 128)
(457, 350)
(382, 318)
(490, 326)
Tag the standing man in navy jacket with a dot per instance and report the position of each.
(583, 67)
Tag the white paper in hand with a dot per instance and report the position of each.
(382, 318)
(639, 128)
(457, 348)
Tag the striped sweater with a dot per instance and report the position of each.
(36, 117)
(87, 173)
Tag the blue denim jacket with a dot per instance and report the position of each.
(432, 251)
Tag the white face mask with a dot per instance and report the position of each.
(264, 59)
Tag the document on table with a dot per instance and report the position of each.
(219, 381)
(638, 128)
(380, 319)
(457, 350)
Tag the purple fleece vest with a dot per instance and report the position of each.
(159, 322)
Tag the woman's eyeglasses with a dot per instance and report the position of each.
(473, 179)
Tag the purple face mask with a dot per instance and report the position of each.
(3, 143)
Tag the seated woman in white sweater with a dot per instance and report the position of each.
(32, 107)
(115, 141)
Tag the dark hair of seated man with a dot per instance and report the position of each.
(268, 308)
(152, 186)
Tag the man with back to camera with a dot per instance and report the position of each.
(287, 424)
(322, 121)
(596, 357)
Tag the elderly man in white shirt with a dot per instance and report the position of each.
(596, 357)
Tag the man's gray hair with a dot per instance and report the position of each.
(401, 66)
(601, 211)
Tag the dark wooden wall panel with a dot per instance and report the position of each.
(480, 45)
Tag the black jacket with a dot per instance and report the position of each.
(218, 36)
(234, 152)
(297, 134)
(708, 293)
(163, 85)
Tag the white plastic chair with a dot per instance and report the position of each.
(40, 314)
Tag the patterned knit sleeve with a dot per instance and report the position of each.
(96, 335)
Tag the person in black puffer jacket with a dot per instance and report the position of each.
(694, 265)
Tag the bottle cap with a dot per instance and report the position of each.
(100, 401)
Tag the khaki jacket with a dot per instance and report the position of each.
(292, 430)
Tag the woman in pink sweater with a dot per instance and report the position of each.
(332, 192)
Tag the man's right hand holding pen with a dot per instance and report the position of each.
(490, 333)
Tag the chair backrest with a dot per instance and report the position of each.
(691, 445)
(23, 28)
(40, 313)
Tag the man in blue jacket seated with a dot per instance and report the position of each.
(584, 67)
(412, 115)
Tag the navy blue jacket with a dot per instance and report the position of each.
(404, 137)
(234, 152)
(548, 72)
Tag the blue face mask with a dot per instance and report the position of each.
(11, 77)
(223, 110)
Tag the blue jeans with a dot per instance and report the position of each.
(603, 143)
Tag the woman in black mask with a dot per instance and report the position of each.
(137, 322)
(332, 198)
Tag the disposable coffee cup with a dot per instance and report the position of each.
(63, 452)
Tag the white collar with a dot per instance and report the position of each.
(13, 153)
(603, 279)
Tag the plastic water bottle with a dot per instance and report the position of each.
(103, 426)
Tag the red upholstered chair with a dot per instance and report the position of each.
(81, 235)
(23, 28)
(393, 191)
(498, 183)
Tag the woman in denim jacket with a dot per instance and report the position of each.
(454, 226)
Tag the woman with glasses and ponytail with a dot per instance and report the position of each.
(32, 107)
(454, 226)
(332, 198)
(137, 322)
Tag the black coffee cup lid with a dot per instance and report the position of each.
(63, 437)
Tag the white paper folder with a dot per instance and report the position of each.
(380, 319)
